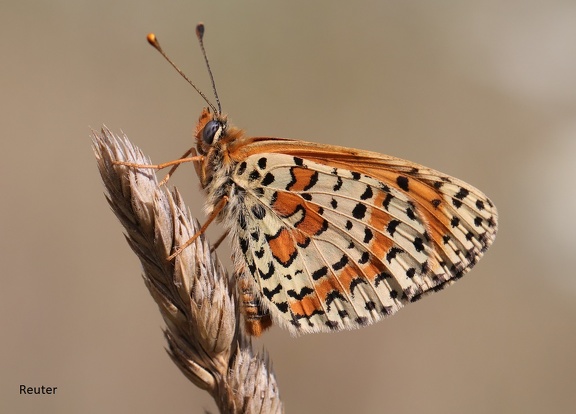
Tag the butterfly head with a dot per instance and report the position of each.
(210, 130)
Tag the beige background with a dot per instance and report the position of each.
(480, 90)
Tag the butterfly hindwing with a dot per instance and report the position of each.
(330, 247)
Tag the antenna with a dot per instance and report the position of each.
(200, 35)
(154, 42)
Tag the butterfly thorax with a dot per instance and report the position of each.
(214, 139)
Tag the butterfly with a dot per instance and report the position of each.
(327, 238)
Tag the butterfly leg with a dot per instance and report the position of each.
(174, 164)
(202, 229)
(218, 242)
(183, 157)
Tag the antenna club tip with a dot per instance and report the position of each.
(151, 37)
(200, 30)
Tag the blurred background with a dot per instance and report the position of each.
(484, 91)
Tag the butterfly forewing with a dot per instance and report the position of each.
(338, 238)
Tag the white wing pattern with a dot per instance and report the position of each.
(331, 248)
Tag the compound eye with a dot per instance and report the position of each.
(210, 131)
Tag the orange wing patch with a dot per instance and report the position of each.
(302, 179)
(307, 306)
(282, 246)
(307, 218)
(379, 219)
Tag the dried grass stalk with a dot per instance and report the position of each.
(205, 338)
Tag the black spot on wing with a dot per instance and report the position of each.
(425, 268)
(370, 305)
(269, 273)
(270, 293)
(254, 175)
(455, 222)
(341, 263)
(491, 222)
(362, 320)
(387, 200)
(418, 244)
(313, 181)
(410, 213)
(305, 291)
(402, 182)
(343, 314)
(332, 324)
(359, 211)
(462, 194)
(268, 179)
(368, 235)
(384, 187)
(258, 211)
(381, 277)
(320, 273)
(368, 193)
(259, 253)
(391, 228)
(338, 184)
(392, 253)
(355, 282)
(323, 228)
(332, 296)
(282, 306)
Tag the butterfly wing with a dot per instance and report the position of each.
(339, 238)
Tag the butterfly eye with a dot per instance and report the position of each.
(210, 131)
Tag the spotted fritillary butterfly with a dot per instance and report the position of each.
(327, 238)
